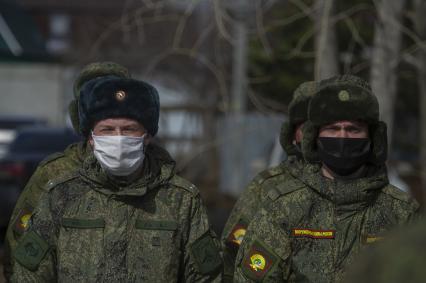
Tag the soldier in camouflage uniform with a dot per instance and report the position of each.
(255, 194)
(314, 226)
(54, 165)
(124, 216)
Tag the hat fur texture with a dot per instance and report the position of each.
(98, 69)
(112, 97)
(343, 98)
(297, 114)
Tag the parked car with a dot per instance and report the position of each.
(30, 146)
(9, 124)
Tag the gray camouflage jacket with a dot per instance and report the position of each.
(314, 227)
(91, 228)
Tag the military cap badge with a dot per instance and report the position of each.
(344, 95)
(120, 95)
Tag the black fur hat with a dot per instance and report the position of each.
(113, 97)
(344, 98)
(89, 72)
(297, 113)
(98, 69)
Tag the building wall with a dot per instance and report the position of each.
(40, 90)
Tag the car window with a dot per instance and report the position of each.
(43, 141)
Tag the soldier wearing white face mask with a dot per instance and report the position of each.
(124, 216)
(119, 155)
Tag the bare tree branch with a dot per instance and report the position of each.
(261, 30)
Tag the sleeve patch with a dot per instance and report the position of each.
(23, 219)
(258, 262)
(237, 234)
(31, 250)
(206, 254)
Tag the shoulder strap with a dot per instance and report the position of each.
(51, 158)
(285, 188)
(52, 183)
(182, 183)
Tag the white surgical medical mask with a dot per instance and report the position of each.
(119, 155)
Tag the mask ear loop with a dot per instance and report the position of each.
(93, 140)
(144, 146)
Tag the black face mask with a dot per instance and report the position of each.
(343, 155)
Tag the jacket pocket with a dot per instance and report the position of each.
(79, 223)
(165, 225)
(80, 250)
(155, 249)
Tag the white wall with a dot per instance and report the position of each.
(40, 90)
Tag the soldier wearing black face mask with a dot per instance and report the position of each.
(344, 133)
(314, 226)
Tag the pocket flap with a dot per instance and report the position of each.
(83, 223)
(156, 225)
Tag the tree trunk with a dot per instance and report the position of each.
(326, 51)
(420, 24)
(385, 58)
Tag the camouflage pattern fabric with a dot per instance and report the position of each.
(316, 226)
(248, 205)
(52, 167)
(401, 258)
(92, 228)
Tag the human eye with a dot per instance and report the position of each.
(354, 129)
(332, 128)
(106, 130)
(130, 131)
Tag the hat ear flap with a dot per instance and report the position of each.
(286, 139)
(309, 142)
(73, 112)
(379, 140)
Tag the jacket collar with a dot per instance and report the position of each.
(157, 169)
(347, 195)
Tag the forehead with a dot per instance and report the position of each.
(118, 122)
(346, 123)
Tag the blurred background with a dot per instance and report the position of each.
(226, 71)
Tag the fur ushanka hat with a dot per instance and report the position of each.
(89, 72)
(112, 97)
(340, 98)
(297, 114)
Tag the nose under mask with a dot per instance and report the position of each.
(119, 155)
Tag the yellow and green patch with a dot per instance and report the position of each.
(258, 262)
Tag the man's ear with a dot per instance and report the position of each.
(90, 140)
(147, 139)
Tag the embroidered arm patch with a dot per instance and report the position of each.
(22, 221)
(258, 262)
(237, 235)
(206, 254)
(31, 250)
